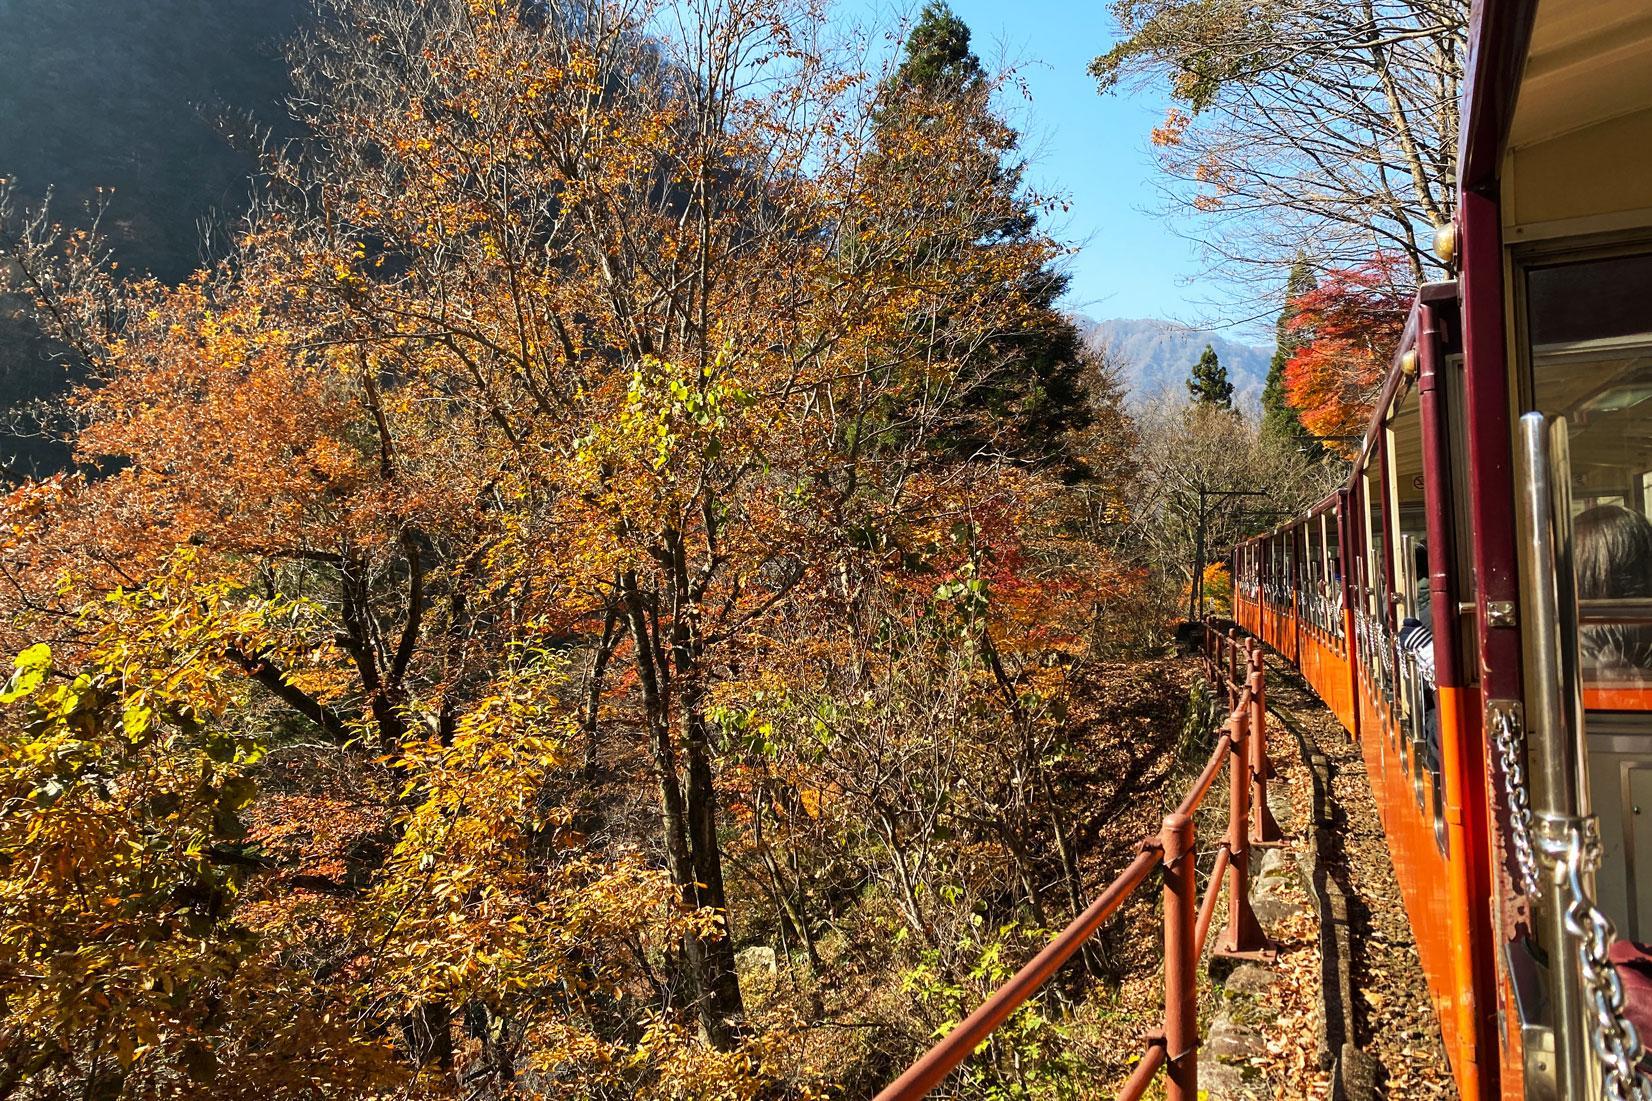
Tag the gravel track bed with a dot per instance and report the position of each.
(1394, 1021)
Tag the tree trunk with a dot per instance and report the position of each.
(688, 823)
(593, 689)
(708, 861)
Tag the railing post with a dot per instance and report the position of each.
(1264, 828)
(1243, 937)
(1181, 1011)
(1233, 669)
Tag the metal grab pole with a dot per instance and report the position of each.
(1181, 1010)
(1244, 933)
(1555, 803)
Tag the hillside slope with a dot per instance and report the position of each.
(149, 109)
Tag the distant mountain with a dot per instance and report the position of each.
(1157, 356)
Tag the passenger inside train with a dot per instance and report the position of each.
(1416, 638)
(1612, 546)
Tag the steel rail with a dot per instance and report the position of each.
(1213, 768)
(1146, 1070)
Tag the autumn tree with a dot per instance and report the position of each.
(1208, 383)
(577, 388)
(1208, 477)
(1335, 123)
(125, 781)
(1345, 330)
(1280, 420)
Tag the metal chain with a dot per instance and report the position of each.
(1615, 1039)
(1511, 754)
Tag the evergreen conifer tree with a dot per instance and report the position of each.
(938, 55)
(1028, 396)
(1280, 421)
(1209, 383)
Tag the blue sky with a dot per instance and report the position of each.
(1092, 148)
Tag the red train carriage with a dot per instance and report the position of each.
(1475, 603)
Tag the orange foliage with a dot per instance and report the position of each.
(1350, 326)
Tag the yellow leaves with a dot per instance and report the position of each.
(29, 673)
(136, 717)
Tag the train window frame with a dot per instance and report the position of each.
(1372, 580)
(1287, 579)
(1604, 724)
(1466, 578)
(1393, 532)
(1312, 566)
(1379, 658)
(1410, 496)
(1334, 574)
(1322, 587)
(1401, 718)
(1293, 558)
(1523, 260)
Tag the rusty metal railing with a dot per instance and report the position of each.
(1235, 667)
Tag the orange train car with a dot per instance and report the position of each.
(1475, 602)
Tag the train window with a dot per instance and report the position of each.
(1333, 574)
(1589, 327)
(1276, 556)
(1293, 553)
(1415, 701)
(1287, 576)
(1467, 581)
(1588, 342)
(1378, 656)
(1265, 550)
(1308, 590)
(1281, 571)
(1373, 617)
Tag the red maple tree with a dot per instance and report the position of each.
(1348, 326)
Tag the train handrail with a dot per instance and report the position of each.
(1234, 666)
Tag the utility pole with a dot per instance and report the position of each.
(1196, 591)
